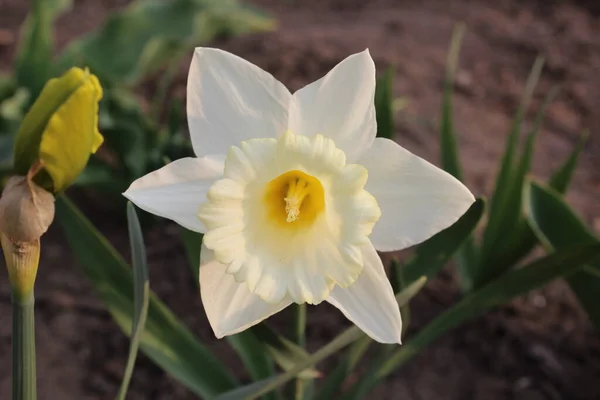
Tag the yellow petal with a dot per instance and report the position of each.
(71, 135)
(60, 129)
(98, 138)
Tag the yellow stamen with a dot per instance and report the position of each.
(297, 191)
(293, 194)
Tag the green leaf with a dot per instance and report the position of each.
(251, 350)
(252, 353)
(557, 226)
(562, 176)
(347, 337)
(165, 340)
(283, 351)
(141, 289)
(8, 85)
(523, 240)
(466, 258)
(104, 179)
(148, 34)
(333, 384)
(384, 101)
(35, 51)
(430, 256)
(12, 110)
(127, 132)
(192, 242)
(448, 147)
(513, 227)
(164, 84)
(508, 179)
(512, 284)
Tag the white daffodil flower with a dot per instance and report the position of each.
(294, 194)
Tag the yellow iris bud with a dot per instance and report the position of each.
(60, 131)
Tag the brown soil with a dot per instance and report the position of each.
(540, 346)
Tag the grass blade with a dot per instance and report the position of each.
(283, 351)
(505, 182)
(524, 238)
(558, 227)
(148, 34)
(433, 254)
(165, 340)
(507, 252)
(349, 336)
(36, 48)
(562, 176)
(192, 241)
(141, 289)
(466, 257)
(448, 147)
(333, 384)
(384, 104)
(246, 344)
(511, 284)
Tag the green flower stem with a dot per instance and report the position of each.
(298, 336)
(344, 339)
(23, 348)
(299, 324)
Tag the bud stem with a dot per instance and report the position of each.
(23, 348)
(22, 259)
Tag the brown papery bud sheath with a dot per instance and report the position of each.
(26, 212)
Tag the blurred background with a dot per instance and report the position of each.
(541, 346)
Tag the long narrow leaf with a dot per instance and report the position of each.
(433, 254)
(558, 227)
(349, 336)
(513, 226)
(147, 34)
(506, 181)
(165, 340)
(283, 351)
(466, 257)
(524, 238)
(448, 147)
(511, 284)
(35, 51)
(246, 344)
(141, 289)
(384, 100)
(192, 242)
(332, 385)
(562, 176)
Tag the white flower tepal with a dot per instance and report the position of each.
(294, 194)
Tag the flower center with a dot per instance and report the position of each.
(294, 198)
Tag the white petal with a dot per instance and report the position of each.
(370, 301)
(417, 199)
(176, 190)
(230, 100)
(230, 306)
(340, 106)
